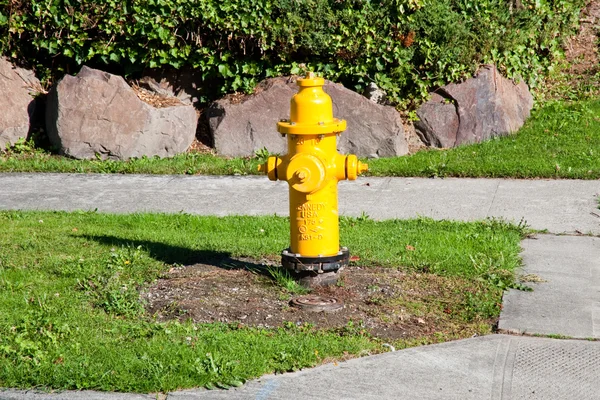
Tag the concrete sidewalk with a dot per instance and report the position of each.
(564, 272)
(560, 206)
(565, 268)
(497, 367)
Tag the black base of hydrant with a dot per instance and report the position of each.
(315, 271)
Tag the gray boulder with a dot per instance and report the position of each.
(96, 113)
(374, 130)
(478, 109)
(242, 126)
(17, 89)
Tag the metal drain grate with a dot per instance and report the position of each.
(556, 371)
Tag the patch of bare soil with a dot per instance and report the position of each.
(199, 147)
(236, 98)
(203, 142)
(156, 100)
(384, 302)
(415, 143)
(581, 51)
(580, 71)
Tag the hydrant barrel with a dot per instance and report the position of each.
(314, 222)
(312, 167)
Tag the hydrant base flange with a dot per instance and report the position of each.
(297, 263)
(313, 280)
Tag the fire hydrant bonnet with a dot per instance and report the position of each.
(311, 110)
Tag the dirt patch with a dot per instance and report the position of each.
(581, 51)
(384, 302)
(236, 98)
(579, 75)
(155, 99)
(415, 143)
(198, 146)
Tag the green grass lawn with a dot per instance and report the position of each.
(71, 318)
(560, 140)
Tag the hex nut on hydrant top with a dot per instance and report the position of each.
(312, 168)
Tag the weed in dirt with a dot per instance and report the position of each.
(284, 279)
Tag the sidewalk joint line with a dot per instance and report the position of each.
(487, 214)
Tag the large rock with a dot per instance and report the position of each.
(240, 127)
(478, 109)
(99, 113)
(17, 87)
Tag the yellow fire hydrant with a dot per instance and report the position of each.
(312, 167)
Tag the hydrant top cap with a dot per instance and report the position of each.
(311, 110)
(310, 80)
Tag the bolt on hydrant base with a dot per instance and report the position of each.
(313, 167)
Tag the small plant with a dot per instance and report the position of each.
(480, 304)
(435, 170)
(363, 217)
(37, 333)
(376, 299)
(284, 279)
(558, 336)
(351, 221)
(353, 328)
(490, 271)
(373, 288)
(111, 289)
(241, 166)
(22, 146)
(262, 155)
(212, 368)
(500, 223)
